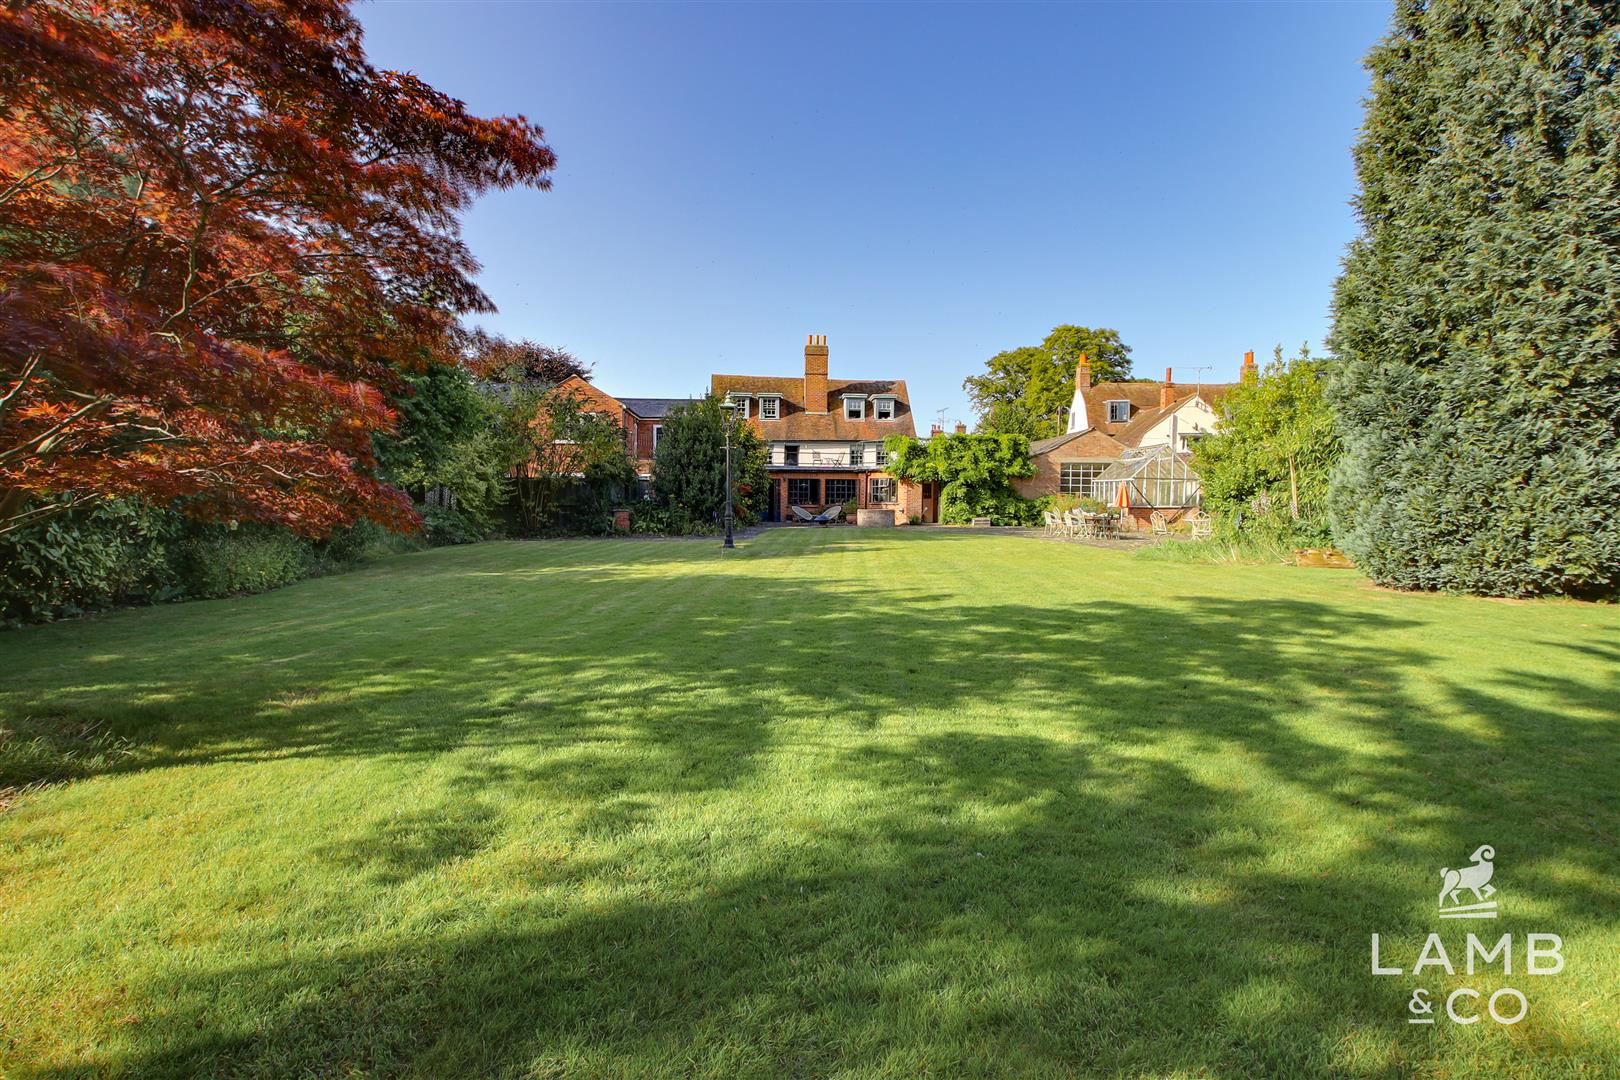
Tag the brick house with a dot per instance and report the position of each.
(1112, 423)
(641, 418)
(825, 437)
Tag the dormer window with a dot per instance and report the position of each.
(854, 407)
(741, 401)
(770, 407)
(883, 408)
(1119, 412)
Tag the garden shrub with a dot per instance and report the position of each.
(121, 551)
(651, 518)
(445, 525)
(961, 502)
(248, 559)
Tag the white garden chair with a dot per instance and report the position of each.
(1161, 527)
(1053, 524)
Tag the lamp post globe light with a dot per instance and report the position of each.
(729, 411)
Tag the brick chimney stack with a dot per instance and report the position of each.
(1167, 392)
(815, 373)
(937, 429)
(1082, 374)
(1250, 372)
(961, 428)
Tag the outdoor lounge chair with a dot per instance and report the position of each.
(801, 514)
(829, 515)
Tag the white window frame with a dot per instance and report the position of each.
(770, 408)
(658, 433)
(881, 457)
(857, 454)
(1125, 402)
(860, 405)
(741, 401)
(889, 485)
(879, 404)
(1088, 484)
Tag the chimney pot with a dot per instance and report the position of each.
(1250, 372)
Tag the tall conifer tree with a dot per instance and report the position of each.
(1478, 315)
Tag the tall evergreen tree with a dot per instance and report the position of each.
(1478, 315)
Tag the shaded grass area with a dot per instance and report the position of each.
(839, 802)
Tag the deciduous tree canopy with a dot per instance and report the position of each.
(1025, 391)
(1268, 466)
(976, 470)
(221, 231)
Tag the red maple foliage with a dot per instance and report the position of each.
(221, 231)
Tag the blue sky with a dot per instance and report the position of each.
(926, 185)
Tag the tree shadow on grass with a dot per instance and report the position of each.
(1064, 840)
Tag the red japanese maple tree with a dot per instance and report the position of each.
(221, 230)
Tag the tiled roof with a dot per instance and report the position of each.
(1089, 444)
(1144, 398)
(653, 408)
(797, 424)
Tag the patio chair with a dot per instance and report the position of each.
(829, 515)
(801, 514)
(1076, 522)
(1054, 524)
(1203, 527)
(1161, 527)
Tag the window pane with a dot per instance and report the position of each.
(1079, 478)
(767, 408)
(856, 455)
(840, 491)
(885, 410)
(881, 490)
(790, 455)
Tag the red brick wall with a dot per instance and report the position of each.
(1092, 446)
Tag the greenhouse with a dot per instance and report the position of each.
(1152, 476)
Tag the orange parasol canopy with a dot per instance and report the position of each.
(1124, 500)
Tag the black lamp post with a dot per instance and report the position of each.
(730, 413)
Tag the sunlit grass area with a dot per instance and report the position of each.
(839, 802)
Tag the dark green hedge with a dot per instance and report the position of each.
(126, 552)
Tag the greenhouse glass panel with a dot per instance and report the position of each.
(1152, 476)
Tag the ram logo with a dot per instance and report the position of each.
(1474, 878)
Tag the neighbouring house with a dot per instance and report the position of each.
(642, 419)
(1132, 435)
(825, 437)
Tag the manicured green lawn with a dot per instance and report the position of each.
(839, 802)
